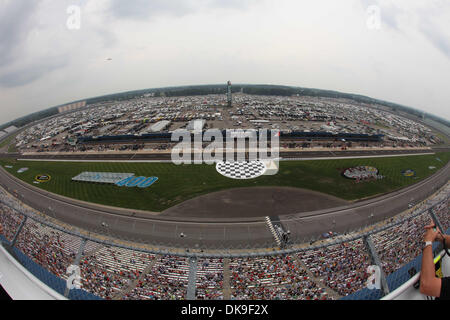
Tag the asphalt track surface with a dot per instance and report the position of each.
(220, 233)
(253, 202)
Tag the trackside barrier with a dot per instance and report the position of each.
(344, 260)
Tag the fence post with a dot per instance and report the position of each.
(76, 261)
(376, 260)
(14, 240)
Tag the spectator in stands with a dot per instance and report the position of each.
(1, 229)
(429, 283)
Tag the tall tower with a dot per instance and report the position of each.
(229, 98)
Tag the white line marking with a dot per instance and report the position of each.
(358, 157)
(281, 159)
(273, 231)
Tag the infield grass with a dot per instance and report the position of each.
(179, 183)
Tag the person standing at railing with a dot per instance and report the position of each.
(431, 285)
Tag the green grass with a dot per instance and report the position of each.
(445, 139)
(12, 148)
(10, 143)
(179, 183)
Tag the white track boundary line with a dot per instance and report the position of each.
(359, 157)
(76, 160)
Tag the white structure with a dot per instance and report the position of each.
(196, 125)
(71, 106)
(159, 126)
(272, 167)
(20, 284)
(101, 177)
(259, 121)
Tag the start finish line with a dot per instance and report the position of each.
(119, 179)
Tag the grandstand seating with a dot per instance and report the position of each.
(45, 246)
(9, 221)
(108, 270)
(342, 267)
(209, 283)
(167, 279)
(387, 243)
(279, 277)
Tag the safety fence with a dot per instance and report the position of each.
(108, 268)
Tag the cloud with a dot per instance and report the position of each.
(250, 41)
(434, 25)
(16, 21)
(142, 9)
(389, 16)
(34, 39)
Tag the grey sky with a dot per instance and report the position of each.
(323, 44)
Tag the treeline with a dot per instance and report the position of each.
(267, 90)
(191, 91)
